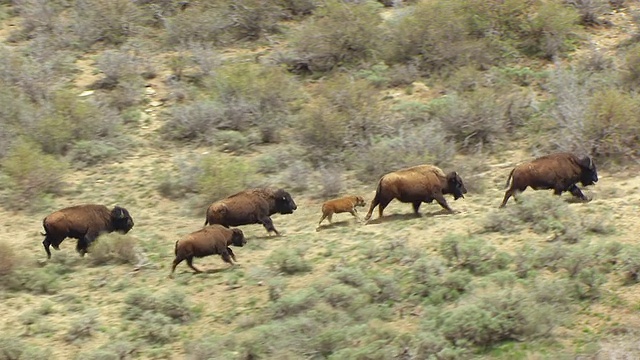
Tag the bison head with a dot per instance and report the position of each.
(284, 202)
(589, 174)
(121, 220)
(360, 201)
(238, 239)
(455, 185)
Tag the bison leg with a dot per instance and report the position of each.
(190, 263)
(575, 191)
(226, 256)
(441, 200)
(175, 263)
(268, 224)
(507, 195)
(233, 256)
(383, 204)
(322, 218)
(354, 212)
(81, 246)
(416, 207)
(46, 245)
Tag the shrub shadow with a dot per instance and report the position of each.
(338, 224)
(406, 217)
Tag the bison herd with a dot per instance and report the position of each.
(424, 183)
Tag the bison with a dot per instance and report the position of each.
(559, 171)
(210, 240)
(341, 205)
(253, 206)
(85, 223)
(417, 184)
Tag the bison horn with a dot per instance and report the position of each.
(590, 163)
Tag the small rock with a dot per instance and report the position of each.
(149, 91)
(155, 103)
(86, 93)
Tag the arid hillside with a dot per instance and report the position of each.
(163, 108)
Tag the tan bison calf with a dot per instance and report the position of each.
(417, 184)
(210, 240)
(341, 205)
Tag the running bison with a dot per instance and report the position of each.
(210, 240)
(341, 205)
(560, 172)
(253, 206)
(418, 184)
(85, 223)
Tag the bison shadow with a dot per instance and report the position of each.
(338, 224)
(406, 217)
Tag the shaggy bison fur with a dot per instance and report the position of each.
(341, 205)
(253, 206)
(85, 223)
(559, 171)
(210, 240)
(418, 184)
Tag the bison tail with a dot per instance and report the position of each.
(509, 178)
(175, 249)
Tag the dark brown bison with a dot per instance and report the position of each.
(418, 184)
(210, 240)
(341, 205)
(560, 172)
(85, 223)
(253, 206)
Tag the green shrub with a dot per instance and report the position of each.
(630, 264)
(631, 74)
(37, 281)
(13, 348)
(331, 181)
(31, 172)
(82, 327)
(113, 350)
(112, 22)
(116, 248)
(338, 34)
(171, 304)
(157, 328)
(343, 113)
(288, 261)
(411, 145)
(116, 65)
(342, 297)
(8, 259)
(222, 176)
(91, 152)
(541, 212)
(499, 316)
(294, 303)
(441, 35)
(473, 254)
(612, 124)
(471, 120)
(548, 33)
(590, 10)
(233, 141)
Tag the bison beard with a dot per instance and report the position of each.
(559, 172)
